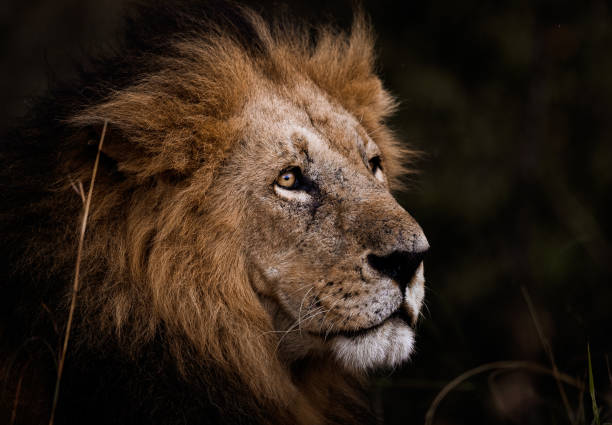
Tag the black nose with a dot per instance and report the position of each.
(399, 265)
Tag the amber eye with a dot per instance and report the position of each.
(288, 179)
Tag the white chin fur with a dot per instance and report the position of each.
(387, 346)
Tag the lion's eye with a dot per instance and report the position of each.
(288, 179)
(376, 167)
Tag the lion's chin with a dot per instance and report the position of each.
(386, 346)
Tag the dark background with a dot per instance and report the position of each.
(511, 103)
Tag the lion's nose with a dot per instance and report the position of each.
(399, 265)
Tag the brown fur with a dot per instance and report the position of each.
(167, 241)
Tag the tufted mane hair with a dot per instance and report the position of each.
(163, 262)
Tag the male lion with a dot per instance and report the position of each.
(244, 260)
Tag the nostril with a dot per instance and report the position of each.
(399, 265)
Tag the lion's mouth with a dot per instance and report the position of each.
(400, 314)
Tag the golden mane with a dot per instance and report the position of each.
(163, 253)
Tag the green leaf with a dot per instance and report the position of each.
(596, 419)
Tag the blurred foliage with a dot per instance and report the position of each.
(511, 103)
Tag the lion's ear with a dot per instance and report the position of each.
(164, 125)
(128, 157)
(142, 145)
(134, 160)
(118, 149)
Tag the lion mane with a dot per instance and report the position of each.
(168, 328)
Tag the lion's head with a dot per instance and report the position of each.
(243, 209)
(337, 261)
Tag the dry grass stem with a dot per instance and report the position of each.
(78, 189)
(50, 313)
(532, 367)
(18, 393)
(75, 288)
(549, 352)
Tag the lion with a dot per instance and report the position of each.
(244, 261)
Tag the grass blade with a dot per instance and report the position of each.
(596, 419)
(75, 287)
(487, 367)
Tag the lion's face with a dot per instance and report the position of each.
(335, 259)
